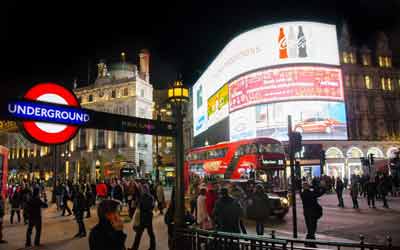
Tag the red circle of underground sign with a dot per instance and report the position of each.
(33, 130)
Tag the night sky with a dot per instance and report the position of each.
(57, 40)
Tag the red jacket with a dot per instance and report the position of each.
(211, 197)
(101, 190)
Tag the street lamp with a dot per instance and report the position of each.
(178, 95)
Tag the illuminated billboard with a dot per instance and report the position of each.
(291, 62)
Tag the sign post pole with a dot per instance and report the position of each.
(293, 178)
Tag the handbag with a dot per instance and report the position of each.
(136, 219)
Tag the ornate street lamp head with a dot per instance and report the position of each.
(178, 93)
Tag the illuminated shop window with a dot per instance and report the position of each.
(113, 93)
(380, 61)
(353, 59)
(368, 83)
(346, 58)
(383, 83)
(90, 98)
(125, 93)
(366, 60)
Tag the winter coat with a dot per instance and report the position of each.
(311, 207)
(371, 188)
(354, 190)
(118, 192)
(16, 200)
(146, 206)
(259, 208)
(104, 237)
(34, 208)
(79, 205)
(339, 186)
(101, 190)
(227, 213)
(202, 214)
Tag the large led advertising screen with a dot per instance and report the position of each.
(285, 68)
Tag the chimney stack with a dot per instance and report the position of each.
(144, 63)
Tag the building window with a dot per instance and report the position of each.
(82, 139)
(113, 93)
(367, 81)
(90, 98)
(383, 83)
(353, 58)
(389, 84)
(125, 92)
(366, 60)
(347, 80)
(388, 61)
(142, 93)
(380, 61)
(100, 142)
(80, 99)
(346, 58)
(371, 104)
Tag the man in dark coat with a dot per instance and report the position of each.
(311, 209)
(16, 202)
(227, 213)
(108, 234)
(146, 206)
(384, 189)
(259, 209)
(78, 209)
(339, 186)
(66, 196)
(34, 209)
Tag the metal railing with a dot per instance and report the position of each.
(197, 239)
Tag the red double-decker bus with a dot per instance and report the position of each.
(258, 158)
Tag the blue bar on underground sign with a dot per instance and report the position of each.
(47, 113)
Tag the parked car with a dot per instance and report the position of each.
(318, 125)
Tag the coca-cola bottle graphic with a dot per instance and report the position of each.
(282, 44)
(301, 43)
(292, 43)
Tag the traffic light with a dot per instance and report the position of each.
(295, 142)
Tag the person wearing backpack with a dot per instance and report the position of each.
(259, 209)
(146, 206)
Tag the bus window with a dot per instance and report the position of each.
(270, 148)
(217, 153)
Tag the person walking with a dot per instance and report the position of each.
(16, 203)
(35, 206)
(66, 196)
(202, 214)
(101, 190)
(146, 206)
(312, 210)
(354, 191)
(58, 193)
(371, 192)
(108, 234)
(383, 189)
(227, 213)
(2, 212)
(26, 195)
(339, 186)
(259, 208)
(89, 196)
(79, 208)
(160, 197)
(118, 193)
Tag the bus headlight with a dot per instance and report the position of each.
(284, 202)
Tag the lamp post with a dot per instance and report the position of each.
(178, 95)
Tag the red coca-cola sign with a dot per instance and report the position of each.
(286, 84)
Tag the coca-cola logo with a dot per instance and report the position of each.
(282, 43)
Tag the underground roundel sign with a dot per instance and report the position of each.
(44, 131)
